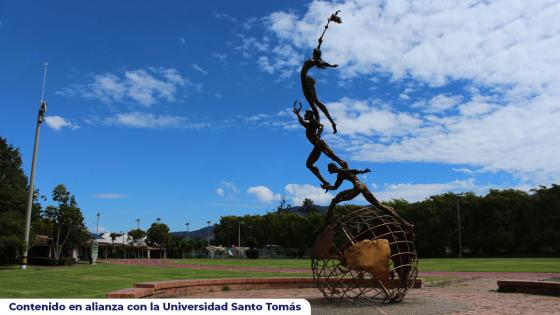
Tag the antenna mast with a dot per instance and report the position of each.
(40, 119)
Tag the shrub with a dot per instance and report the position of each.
(252, 253)
(46, 261)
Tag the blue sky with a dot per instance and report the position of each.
(181, 110)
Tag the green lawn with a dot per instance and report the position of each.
(491, 264)
(85, 281)
(428, 264)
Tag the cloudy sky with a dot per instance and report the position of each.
(182, 110)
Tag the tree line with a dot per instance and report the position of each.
(502, 222)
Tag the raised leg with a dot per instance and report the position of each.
(325, 110)
(329, 152)
(344, 195)
(313, 157)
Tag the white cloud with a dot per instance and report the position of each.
(110, 196)
(361, 117)
(418, 192)
(298, 193)
(465, 170)
(226, 187)
(230, 186)
(199, 69)
(183, 41)
(142, 86)
(152, 121)
(264, 194)
(58, 122)
(502, 54)
(439, 103)
(220, 191)
(220, 57)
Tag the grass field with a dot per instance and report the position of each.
(428, 264)
(83, 281)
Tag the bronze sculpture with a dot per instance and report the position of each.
(367, 254)
(308, 83)
(313, 131)
(358, 188)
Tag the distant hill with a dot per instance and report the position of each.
(304, 211)
(201, 233)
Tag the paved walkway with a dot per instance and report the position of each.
(476, 296)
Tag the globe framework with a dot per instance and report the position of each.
(340, 283)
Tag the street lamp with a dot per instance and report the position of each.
(124, 246)
(239, 233)
(138, 222)
(460, 254)
(40, 119)
(97, 228)
(208, 231)
(188, 235)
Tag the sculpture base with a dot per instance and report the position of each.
(386, 274)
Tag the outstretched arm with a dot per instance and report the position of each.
(337, 184)
(296, 111)
(357, 172)
(324, 64)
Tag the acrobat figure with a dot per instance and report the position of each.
(308, 83)
(359, 188)
(308, 86)
(313, 131)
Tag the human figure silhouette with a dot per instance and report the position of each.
(358, 188)
(308, 85)
(313, 131)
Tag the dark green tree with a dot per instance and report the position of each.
(13, 200)
(64, 222)
(158, 235)
(136, 236)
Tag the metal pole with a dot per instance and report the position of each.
(239, 234)
(188, 235)
(40, 118)
(97, 228)
(460, 254)
(208, 234)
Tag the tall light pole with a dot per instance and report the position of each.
(124, 246)
(97, 228)
(239, 233)
(40, 119)
(188, 235)
(138, 222)
(460, 254)
(208, 231)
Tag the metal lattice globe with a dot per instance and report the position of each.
(340, 281)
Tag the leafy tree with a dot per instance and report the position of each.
(283, 205)
(308, 205)
(65, 222)
(114, 237)
(158, 235)
(136, 236)
(13, 201)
